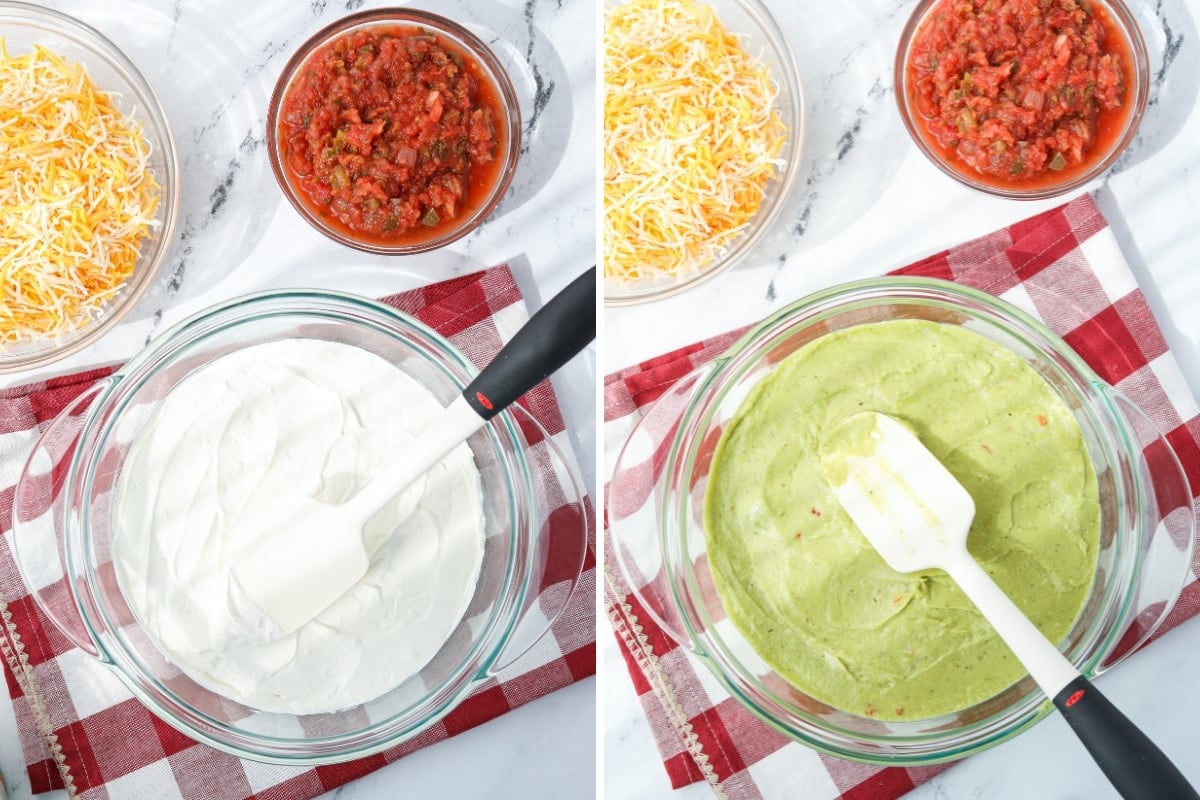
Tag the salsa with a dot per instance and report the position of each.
(1020, 91)
(392, 133)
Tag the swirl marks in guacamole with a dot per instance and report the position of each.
(813, 597)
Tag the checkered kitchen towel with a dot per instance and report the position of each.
(1064, 267)
(81, 730)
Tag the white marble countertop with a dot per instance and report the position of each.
(213, 65)
(869, 202)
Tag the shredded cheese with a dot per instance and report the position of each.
(76, 196)
(691, 137)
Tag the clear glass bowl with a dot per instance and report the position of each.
(1137, 94)
(657, 536)
(490, 71)
(62, 521)
(22, 26)
(762, 37)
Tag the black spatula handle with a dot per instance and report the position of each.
(1134, 764)
(551, 338)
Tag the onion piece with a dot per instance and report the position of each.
(406, 155)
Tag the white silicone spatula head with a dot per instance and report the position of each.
(917, 515)
(304, 558)
(905, 502)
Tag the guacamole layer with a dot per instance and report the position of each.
(813, 597)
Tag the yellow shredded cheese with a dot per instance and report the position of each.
(691, 137)
(76, 196)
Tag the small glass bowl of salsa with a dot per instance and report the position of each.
(394, 131)
(1022, 98)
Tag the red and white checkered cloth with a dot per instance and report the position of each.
(1062, 266)
(80, 728)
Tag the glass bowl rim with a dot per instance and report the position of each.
(491, 637)
(680, 458)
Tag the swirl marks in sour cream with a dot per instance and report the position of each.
(257, 429)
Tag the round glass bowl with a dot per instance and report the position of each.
(1111, 140)
(762, 38)
(63, 517)
(24, 26)
(486, 185)
(657, 532)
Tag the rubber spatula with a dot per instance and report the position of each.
(917, 515)
(315, 552)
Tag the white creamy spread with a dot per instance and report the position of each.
(257, 429)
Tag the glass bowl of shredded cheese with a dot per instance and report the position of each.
(88, 189)
(703, 123)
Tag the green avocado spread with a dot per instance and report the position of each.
(813, 597)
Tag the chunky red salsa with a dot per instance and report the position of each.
(392, 133)
(1020, 91)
